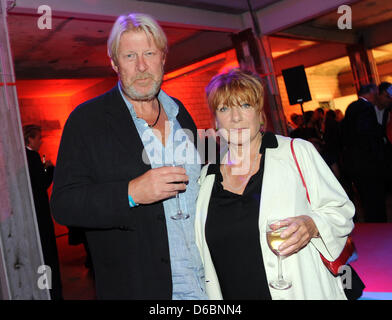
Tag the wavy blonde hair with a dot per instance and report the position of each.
(135, 22)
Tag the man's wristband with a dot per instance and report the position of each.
(131, 202)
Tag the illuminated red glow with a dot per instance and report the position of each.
(49, 102)
(374, 265)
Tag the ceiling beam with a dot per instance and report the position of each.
(168, 15)
(378, 34)
(310, 56)
(308, 32)
(288, 13)
(195, 49)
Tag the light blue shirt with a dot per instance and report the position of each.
(186, 265)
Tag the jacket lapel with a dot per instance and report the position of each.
(123, 127)
(121, 123)
(186, 122)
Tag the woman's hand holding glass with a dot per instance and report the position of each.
(300, 230)
(274, 229)
(286, 237)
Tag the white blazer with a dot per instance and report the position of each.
(283, 196)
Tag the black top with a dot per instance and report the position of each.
(233, 235)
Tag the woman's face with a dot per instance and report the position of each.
(239, 124)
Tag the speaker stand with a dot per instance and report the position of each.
(302, 110)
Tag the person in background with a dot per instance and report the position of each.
(364, 154)
(110, 181)
(339, 115)
(289, 124)
(41, 176)
(308, 131)
(317, 122)
(384, 105)
(297, 120)
(389, 120)
(332, 142)
(383, 108)
(233, 206)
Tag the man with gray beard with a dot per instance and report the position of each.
(110, 181)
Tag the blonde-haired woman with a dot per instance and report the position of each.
(256, 180)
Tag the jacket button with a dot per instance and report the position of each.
(164, 260)
(161, 217)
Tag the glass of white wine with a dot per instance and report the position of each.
(180, 215)
(274, 229)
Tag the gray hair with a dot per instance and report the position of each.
(136, 22)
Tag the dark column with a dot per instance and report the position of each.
(255, 55)
(362, 65)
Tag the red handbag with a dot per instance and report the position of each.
(349, 248)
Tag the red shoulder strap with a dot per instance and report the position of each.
(299, 169)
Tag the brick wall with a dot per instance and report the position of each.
(189, 89)
(48, 103)
(51, 109)
(189, 86)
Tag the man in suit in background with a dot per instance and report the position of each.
(41, 176)
(384, 105)
(364, 153)
(108, 180)
(389, 120)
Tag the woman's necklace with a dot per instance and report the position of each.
(247, 176)
(159, 113)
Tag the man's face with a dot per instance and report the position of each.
(372, 96)
(139, 66)
(384, 100)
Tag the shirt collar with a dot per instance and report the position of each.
(269, 142)
(168, 104)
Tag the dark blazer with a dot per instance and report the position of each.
(40, 182)
(387, 144)
(100, 152)
(363, 149)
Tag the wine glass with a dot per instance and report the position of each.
(179, 215)
(274, 229)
